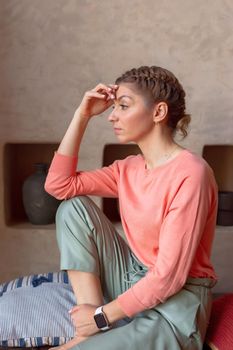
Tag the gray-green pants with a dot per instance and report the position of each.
(89, 242)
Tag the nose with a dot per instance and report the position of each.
(112, 116)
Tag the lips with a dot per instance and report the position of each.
(117, 130)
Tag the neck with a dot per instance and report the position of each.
(158, 148)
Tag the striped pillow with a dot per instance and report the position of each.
(34, 311)
(34, 280)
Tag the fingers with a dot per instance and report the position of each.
(75, 308)
(106, 97)
(108, 90)
(95, 94)
(97, 100)
(105, 87)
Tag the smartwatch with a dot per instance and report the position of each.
(101, 319)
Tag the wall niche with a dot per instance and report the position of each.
(18, 164)
(220, 158)
(111, 153)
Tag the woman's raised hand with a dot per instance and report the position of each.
(93, 103)
(96, 101)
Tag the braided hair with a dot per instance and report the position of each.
(160, 85)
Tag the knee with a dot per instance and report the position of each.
(69, 218)
(69, 208)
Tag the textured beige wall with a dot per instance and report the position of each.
(52, 51)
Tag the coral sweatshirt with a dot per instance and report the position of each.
(168, 215)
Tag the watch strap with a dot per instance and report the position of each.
(99, 310)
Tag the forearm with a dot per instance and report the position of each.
(71, 141)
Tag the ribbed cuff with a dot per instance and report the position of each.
(130, 304)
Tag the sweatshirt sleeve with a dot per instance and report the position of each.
(191, 213)
(64, 181)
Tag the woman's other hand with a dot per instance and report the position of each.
(83, 320)
(96, 101)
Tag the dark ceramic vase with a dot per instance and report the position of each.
(39, 206)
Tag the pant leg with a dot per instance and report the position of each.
(89, 242)
(149, 331)
(178, 324)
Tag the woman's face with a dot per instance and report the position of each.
(132, 116)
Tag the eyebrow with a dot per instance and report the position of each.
(122, 96)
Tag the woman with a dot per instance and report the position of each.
(158, 280)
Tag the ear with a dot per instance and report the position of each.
(160, 112)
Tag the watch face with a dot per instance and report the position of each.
(100, 321)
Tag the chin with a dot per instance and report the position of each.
(124, 140)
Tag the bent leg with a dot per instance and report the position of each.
(88, 242)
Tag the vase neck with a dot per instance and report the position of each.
(41, 167)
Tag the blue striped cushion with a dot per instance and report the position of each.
(34, 311)
(33, 280)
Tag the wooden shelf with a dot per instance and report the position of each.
(26, 225)
(224, 229)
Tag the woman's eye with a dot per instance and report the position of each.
(123, 106)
